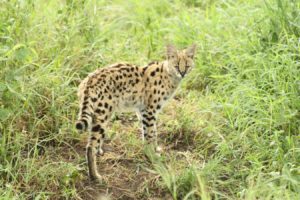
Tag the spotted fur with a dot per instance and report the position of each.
(126, 87)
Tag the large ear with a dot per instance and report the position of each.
(190, 51)
(171, 51)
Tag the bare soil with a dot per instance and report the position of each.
(124, 176)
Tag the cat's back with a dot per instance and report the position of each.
(115, 78)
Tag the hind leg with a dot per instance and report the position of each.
(95, 142)
(95, 137)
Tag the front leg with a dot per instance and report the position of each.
(149, 133)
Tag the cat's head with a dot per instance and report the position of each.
(181, 61)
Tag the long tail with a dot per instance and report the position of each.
(85, 114)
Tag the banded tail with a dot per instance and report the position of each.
(85, 115)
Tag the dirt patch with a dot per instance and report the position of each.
(126, 173)
(124, 177)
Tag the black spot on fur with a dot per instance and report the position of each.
(85, 122)
(86, 114)
(79, 126)
(149, 118)
(144, 69)
(97, 128)
(118, 65)
(145, 123)
(152, 73)
(98, 111)
(152, 63)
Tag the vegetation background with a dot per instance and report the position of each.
(232, 131)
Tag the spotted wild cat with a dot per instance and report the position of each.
(123, 86)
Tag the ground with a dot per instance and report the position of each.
(127, 172)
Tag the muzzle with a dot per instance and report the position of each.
(181, 73)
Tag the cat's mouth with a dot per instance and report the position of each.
(182, 74)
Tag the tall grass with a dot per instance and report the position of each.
(240, 105)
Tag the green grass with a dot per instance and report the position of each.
(235, 127)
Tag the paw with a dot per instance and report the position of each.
(96, 177)
(158, 150)
(100, 152)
